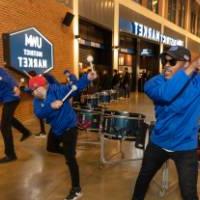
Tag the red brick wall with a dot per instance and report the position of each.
(46, 16)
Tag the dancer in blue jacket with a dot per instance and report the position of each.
(176, 96)
(60, 115)
(10, 97)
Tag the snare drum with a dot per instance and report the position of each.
(113, 95)
(125, 125)
(89, 119)
(92, 101)
(104, 97)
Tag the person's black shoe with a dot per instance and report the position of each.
(7, 159)
(74, 194)
(25, 136)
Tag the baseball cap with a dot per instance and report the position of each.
(178, 52)
(37, 81)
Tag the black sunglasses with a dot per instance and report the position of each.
(172, 61)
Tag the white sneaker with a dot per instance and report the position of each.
(40, 135)
(74, 194)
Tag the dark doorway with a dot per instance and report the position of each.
(127, 57)
(149, 62)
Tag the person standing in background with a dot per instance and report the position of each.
(126, 83)
(115, 80)
(70, 78)
(105, 81)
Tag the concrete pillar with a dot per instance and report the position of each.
(76, 41)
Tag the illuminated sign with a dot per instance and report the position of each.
(146, 52)
(144, 31)
(28, 50)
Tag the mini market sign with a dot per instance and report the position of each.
(28, 50)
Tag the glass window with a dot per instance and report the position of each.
(172, 4)
(194, 8)
(153, 5)
(181, 13)
(193, 20)
(125, 59)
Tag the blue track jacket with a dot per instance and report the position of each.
(65, 117)
(7, 84)
(177, 110)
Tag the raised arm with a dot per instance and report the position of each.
(165, 90)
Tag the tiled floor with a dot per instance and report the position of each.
(38, 175)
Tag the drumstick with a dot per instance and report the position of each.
(46, 71)
(90, 60)
(27, 74)
(92, 66)
(74, 88)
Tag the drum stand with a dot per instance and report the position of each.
(101, 142)
(86, 141)
(103, 159)
(102, 149)
(165, 186)
(110, 161)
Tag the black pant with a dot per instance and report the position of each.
(53, 143)
(69, 140)
(42, 126)
(186, 165)
(126, 91)
(7, 121)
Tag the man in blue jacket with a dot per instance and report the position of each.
(48, 104)
(70, 78)
(176, 96)
(9, 96)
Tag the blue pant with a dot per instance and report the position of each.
(187, 168)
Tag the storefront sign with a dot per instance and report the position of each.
(146, 52)
(127, 50)
(143, 31)
(28, 50)
(91, 44)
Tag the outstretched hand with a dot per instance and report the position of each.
(92, 75)
(193, 66)
(196, 63)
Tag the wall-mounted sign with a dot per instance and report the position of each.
(28, 50)
(143, 31)
(91, 44)
(127, 50)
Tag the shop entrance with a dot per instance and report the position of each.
(128, 57)
(97, 42)
(148, 62)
